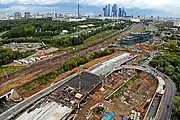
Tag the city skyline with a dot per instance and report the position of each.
(10, 7)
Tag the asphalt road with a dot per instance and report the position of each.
(168, 97)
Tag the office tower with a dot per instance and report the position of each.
(17, 15)
(109, 10)
(55, 15)
(27, 15)
(120, 13)
(114, 10)
(123, 12)
(105, 10)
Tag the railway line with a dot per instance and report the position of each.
(54, 62)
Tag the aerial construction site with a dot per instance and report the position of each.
(115, 87)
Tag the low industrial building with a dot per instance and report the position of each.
(133, 39)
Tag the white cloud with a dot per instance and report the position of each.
(130, 3)
(172, 6)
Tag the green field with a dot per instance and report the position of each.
(9, 70)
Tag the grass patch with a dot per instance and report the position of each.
(39, 81)
(124, 87)
(9, 69)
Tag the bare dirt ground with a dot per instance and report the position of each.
(137, 89)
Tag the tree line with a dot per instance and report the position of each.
(169, 63)
(37, 28)
(7, 55)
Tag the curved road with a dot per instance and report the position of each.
(167, 102)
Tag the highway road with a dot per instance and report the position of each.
(167, 103)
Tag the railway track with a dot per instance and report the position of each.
(54, 62)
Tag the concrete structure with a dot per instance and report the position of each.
(61, 102)
(176, 23)
(50, 111)
(17, 15)
(120, 12)
(134, 38)
(109, 10)
(27, 15)
(105, 10)
(161, 86)
(137, 20)
(107, 66)
(55, 15)
(70, 19)
(12, 112)
(78, 11)
(114, 10)
(8, 100)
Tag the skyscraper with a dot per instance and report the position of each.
(114, 10)
(55, 15)
(109, 10)
(120, 13)
(123, 12)
(17, 15)
(27, 15)
(105, 10)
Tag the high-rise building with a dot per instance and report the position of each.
(17, 15)
(105, 10)
(55, 15)
(123, 12)
(109, 10)
(27, 15)
(114, 10)
(120, 12)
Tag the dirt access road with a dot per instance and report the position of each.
(32, 71)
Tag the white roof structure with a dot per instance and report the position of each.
(161, 86)
(48, 111)
(109, 65)
(90, 25)
(65, 31)
(83, 26)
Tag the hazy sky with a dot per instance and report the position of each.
(171, 7)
